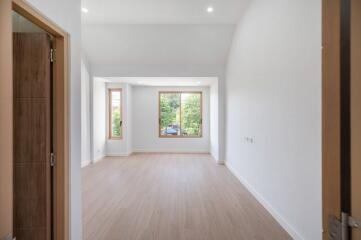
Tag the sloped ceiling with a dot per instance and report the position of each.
(157, 44)
(158, 33)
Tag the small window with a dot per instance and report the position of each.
(180, 114)
(115, 114)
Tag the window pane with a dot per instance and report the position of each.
(191, 114)
(169, 114)
(116, 114)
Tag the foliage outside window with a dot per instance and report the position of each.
(115, 113)
(180, 114)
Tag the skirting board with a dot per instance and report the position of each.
(291, 231)
(169, 151)
(84, 164)
(119, 154)
(98, 159)
(220, 162)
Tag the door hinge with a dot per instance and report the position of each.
(52, 159)
(52, 55)
(339, 229)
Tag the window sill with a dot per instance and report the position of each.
(181, 137)
(115, 139)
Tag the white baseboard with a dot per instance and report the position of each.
(119, 154)
(152, 151)
(279, 218)
(170, 151)
(84, 164)
(217, 160)
(98, 159)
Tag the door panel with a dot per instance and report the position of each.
(356, 114)
(31, 54)
(32, 117)
(32, 133)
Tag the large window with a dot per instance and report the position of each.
(115, 114)
(180, 114)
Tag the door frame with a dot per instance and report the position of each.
(60, 111)
(336, 130)
(331, 111)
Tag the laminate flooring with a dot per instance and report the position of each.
(170, 197)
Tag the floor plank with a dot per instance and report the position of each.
(170, 197)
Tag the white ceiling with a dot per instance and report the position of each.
(157, 45)
(163, 81)
(162, 11)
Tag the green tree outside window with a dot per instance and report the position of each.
(180, 114)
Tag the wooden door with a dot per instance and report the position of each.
(32, 136)
(356, 114)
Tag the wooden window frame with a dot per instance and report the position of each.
(61, 41)
(159, 113)
(110, 133)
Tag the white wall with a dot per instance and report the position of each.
(141, 103)
(221, 120)
(70, 22)
(85, 113)
(99, 120)
(21, 24)
(129, 119)
(122, 147)
(273, 96)
(112, 70)
(145, 123)
(214, 121)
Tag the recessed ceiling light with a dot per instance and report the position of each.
(210, 9)
(84, 10)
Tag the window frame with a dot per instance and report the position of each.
(110, 100)
(159, 113)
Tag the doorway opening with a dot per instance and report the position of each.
(33, 162)
(34, 171)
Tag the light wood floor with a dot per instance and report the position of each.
(170, 197)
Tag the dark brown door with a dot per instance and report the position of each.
(32, 136)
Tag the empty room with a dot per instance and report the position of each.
(180, 120)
